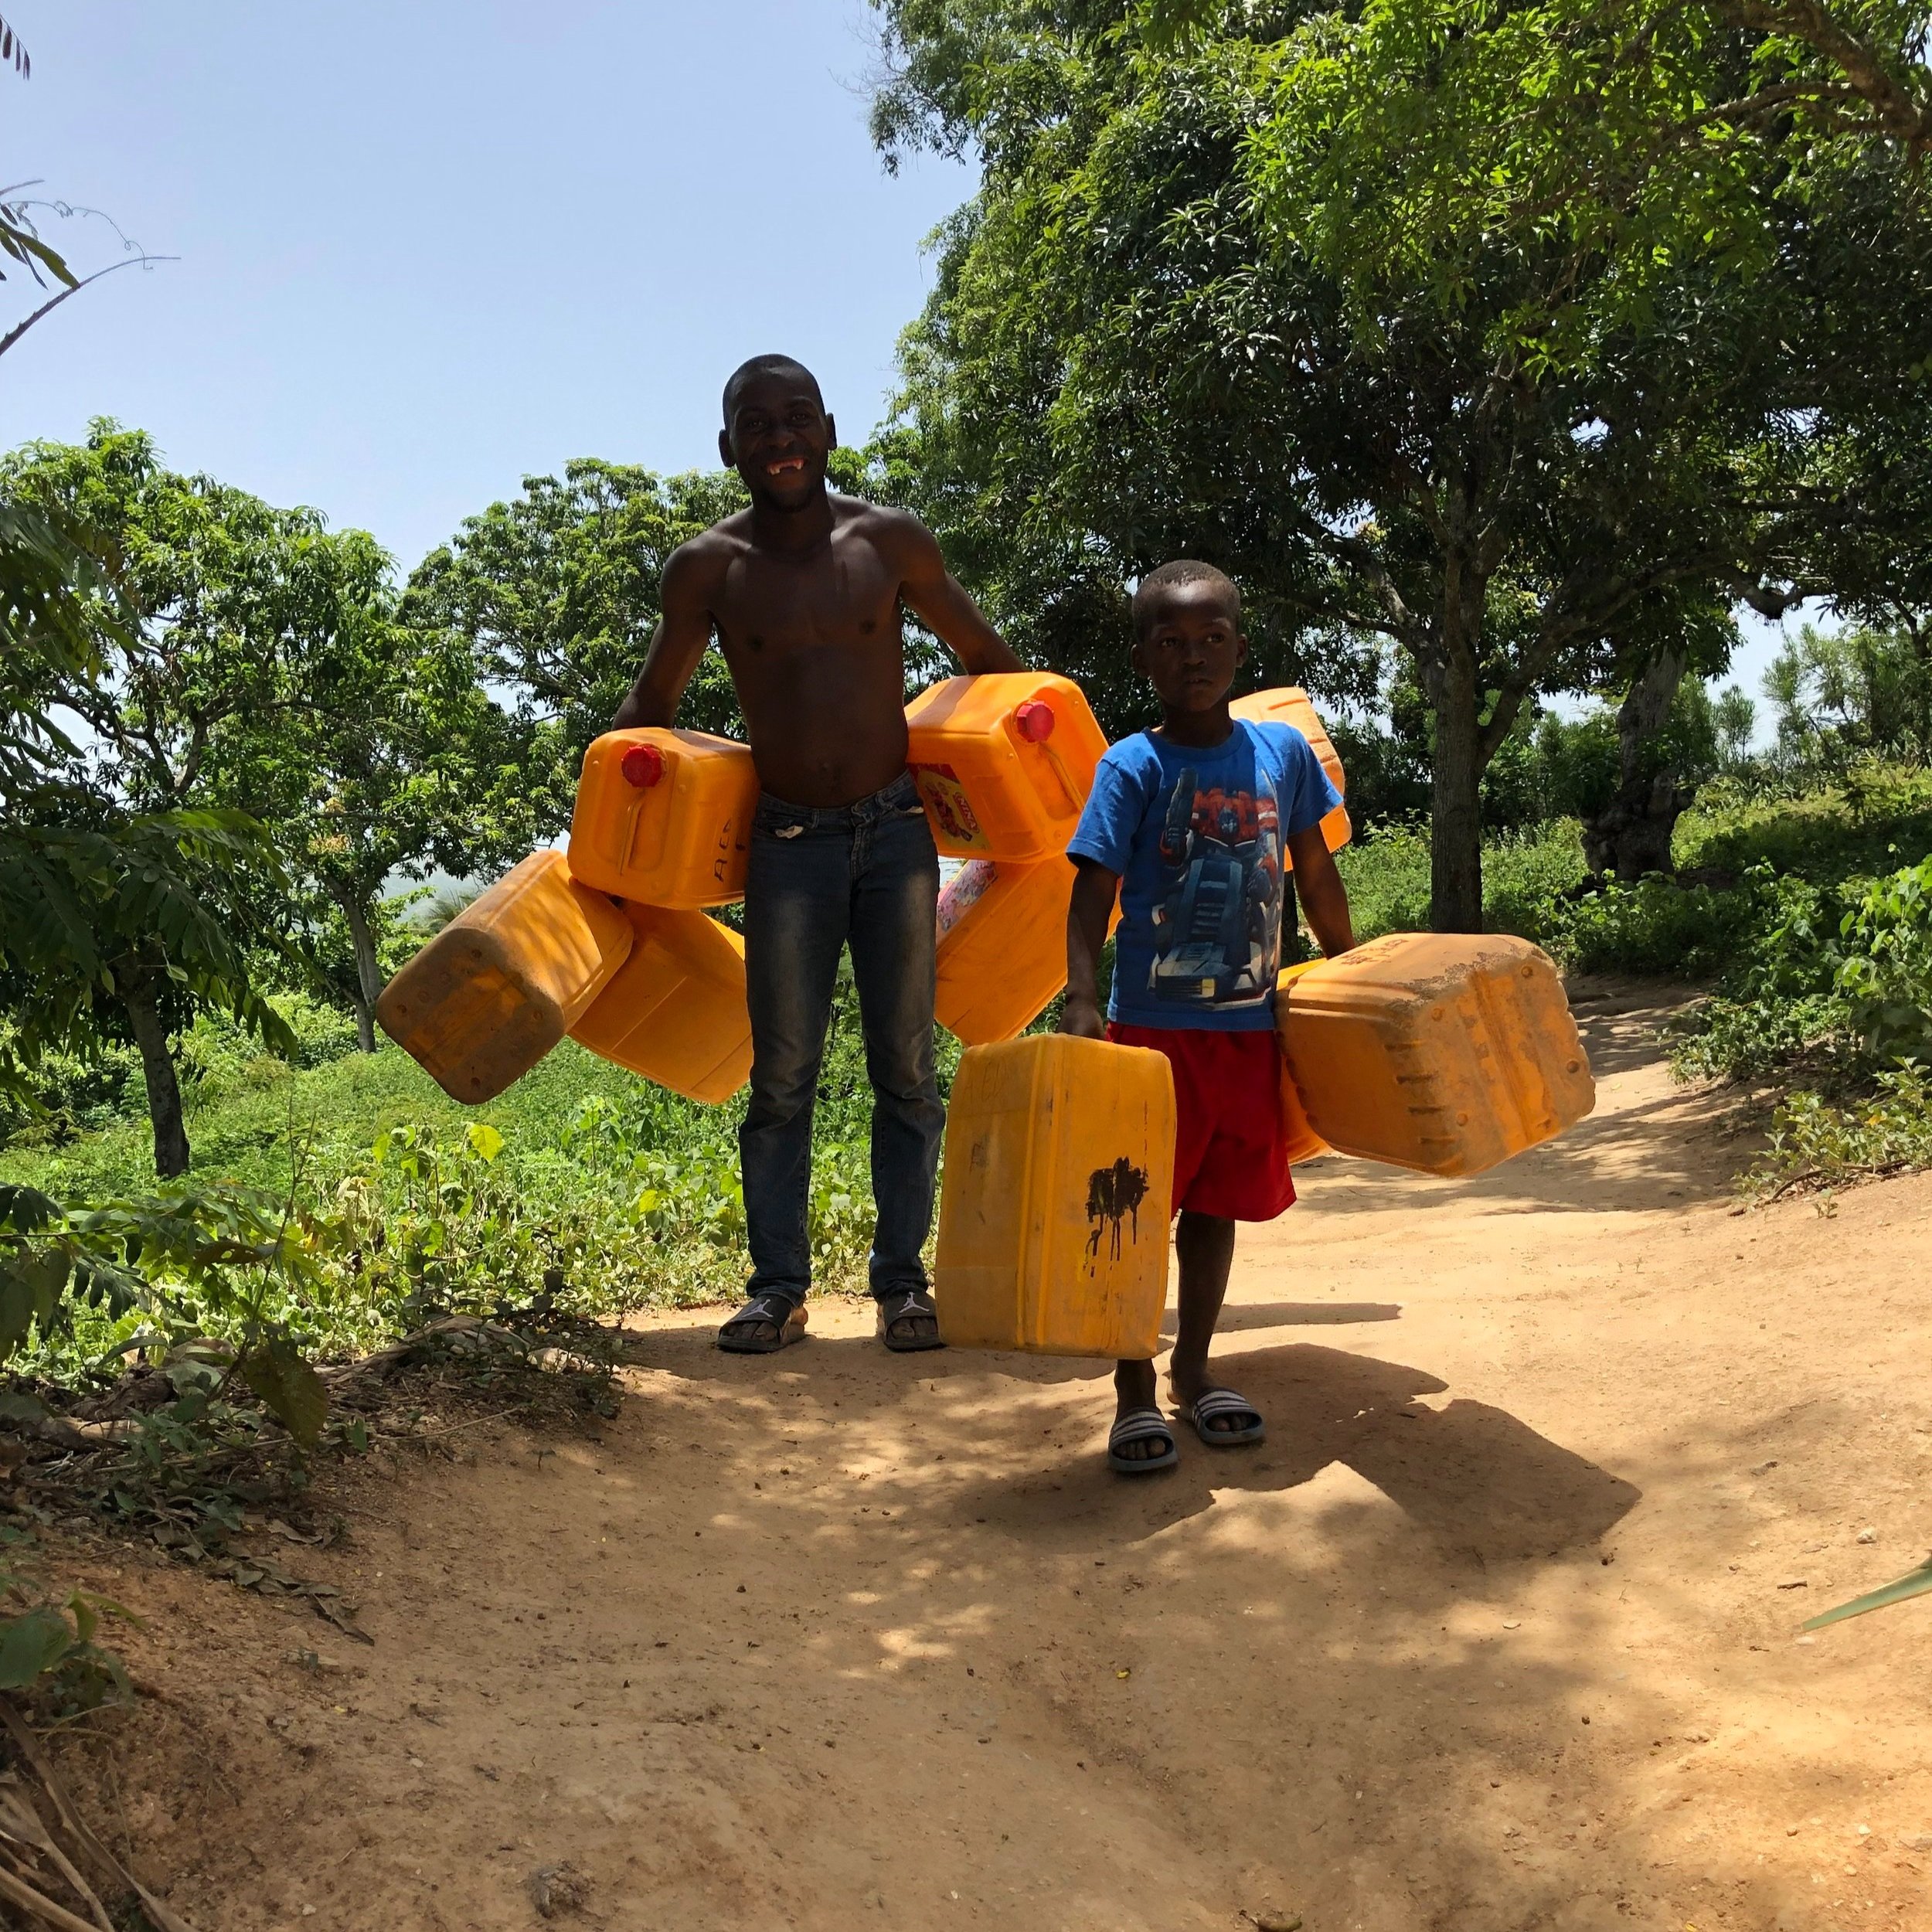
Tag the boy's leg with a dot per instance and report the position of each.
(798, 899)
(894, 900)
(1205, 1245)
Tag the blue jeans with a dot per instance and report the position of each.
(864, 876)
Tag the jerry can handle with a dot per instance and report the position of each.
(1034, 722)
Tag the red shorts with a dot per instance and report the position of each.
(1230, 1143)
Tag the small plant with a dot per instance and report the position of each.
(49, 1645)
(1816, 1142)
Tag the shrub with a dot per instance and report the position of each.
(1814, 1141)
(1864, 821)
(1838, 979)
(1654, 927)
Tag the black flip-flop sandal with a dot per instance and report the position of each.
(1219, 1402)
(789, 1321)
(1140, 1425)
(914, 1304)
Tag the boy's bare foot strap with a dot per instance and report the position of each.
(1138, 1426)
(1223, 1419)
(766, 1324)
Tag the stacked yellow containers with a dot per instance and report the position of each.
(663, 821)
(1288, 704)
(664, 817)
(675, 1010)
(1004, 763)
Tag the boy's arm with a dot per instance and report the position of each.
(940, 602)
(681, 636)
(1087, 912)
(1323, 897)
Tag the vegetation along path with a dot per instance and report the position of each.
(1498, 1630)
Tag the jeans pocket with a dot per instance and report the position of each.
(779, 821)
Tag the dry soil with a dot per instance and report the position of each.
(1498, 1630)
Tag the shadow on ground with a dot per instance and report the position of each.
(1485, 1487)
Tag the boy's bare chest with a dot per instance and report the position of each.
(842, 594)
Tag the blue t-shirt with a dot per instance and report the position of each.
(1196, 836)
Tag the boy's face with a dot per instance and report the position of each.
(1192, 647)
(778, 439)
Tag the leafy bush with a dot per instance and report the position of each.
(1655, 926)
(1838, 979)
(66, 1095)
(69, 1095)
(1816, 1140)
(1868, 818)
(51, 1642)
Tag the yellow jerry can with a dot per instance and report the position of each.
(1445, 1051)
(664, 817)
(1300, 1140)
(1288, 704)
(675, 1010)
(1004, 762)
(1002, 946)
(501, 984)
(1054, 1214)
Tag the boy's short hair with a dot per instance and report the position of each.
(1147, 593)
(766, 365)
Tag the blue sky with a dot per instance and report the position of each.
(424, 250)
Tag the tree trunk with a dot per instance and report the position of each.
(368, 973)
(1455, 816)
(157, 1064)
(365, 1023)
(1631, 836)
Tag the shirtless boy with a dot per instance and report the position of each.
(803, 592)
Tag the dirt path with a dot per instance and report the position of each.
(1497, 1632)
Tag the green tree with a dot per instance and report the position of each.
(555, 594)
(259, 676)
(1854, 692)
(112, 922)
(1205, 303)
(388, 761)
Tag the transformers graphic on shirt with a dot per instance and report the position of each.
(1217, 911)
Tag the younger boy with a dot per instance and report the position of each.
(1189, 823)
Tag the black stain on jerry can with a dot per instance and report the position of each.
(1114, 1195)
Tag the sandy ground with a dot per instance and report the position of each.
(1497, 1630)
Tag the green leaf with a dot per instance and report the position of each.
(485, 1143)
(1916, 1582)
(289, 1387)
(31, 1644)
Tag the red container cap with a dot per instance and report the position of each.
(643, 766)
(1035, 720)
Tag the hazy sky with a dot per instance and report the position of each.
(426, 249)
